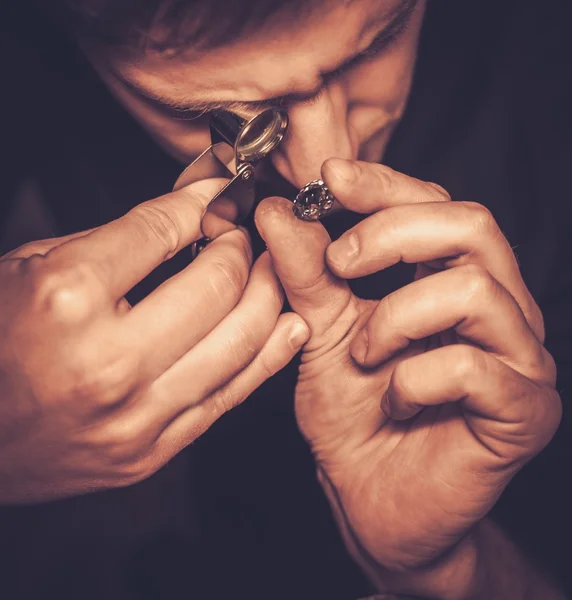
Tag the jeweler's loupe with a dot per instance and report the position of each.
(237, 145)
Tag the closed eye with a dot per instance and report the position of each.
(382, 43)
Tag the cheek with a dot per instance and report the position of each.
(384, 83)
(377, 95)
(377, 92)
(184, 140)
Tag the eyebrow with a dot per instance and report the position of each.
(398, 22)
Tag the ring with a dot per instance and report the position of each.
(313, 201)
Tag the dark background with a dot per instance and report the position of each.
(239, 513)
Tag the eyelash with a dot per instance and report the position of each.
(381, 44)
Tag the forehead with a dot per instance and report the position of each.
(272, 62)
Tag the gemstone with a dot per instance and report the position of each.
(313, 201)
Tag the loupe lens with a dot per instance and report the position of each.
(261, 134)
(236, 147)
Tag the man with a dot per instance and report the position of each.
(418, 408)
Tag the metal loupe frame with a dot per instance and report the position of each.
(229, 157)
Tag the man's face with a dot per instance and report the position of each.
(343, 94)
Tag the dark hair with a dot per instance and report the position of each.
(132, 26)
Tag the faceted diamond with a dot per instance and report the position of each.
(313, 201)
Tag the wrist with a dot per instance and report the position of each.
(459, 574)
(484, 565)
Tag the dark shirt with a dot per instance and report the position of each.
(239, 513)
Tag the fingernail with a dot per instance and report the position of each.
(343, 251)
(346, 170)
(299, 335)
(360, 346)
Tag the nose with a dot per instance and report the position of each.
(318, 129)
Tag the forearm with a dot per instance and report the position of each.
(485, 566)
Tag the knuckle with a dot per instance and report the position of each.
(439, 193)
(229, 271)
(85, 388)
(268, 365)
(477, 283)
(10, 266)
(69, 294)
(544, 420)
(469, 364)
(195, 201)
(245, 343)
(97, 382)
(27, 250)
(538, 365)
(157, 224)
(138, 470)
(549, 368)
(197, 215)
(225, 399)
(239, 239)
(553, 414)
(33, 264)
(123, 442)
(401, 383)
(481, 218)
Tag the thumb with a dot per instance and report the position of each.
(298, 251)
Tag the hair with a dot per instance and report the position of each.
(171, 26)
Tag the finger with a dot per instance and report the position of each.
(297, 249)
(283, 344)
(225, 351)
(511, 415)
(365, 187)
(186, 307)
(456, 232)
(285, 341)
(124, 251)
(44, 246)
(466, 299)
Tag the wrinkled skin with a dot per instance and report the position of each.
(96, 394)
(417, 431)
(415, 439)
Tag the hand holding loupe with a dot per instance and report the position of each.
(236, 147)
